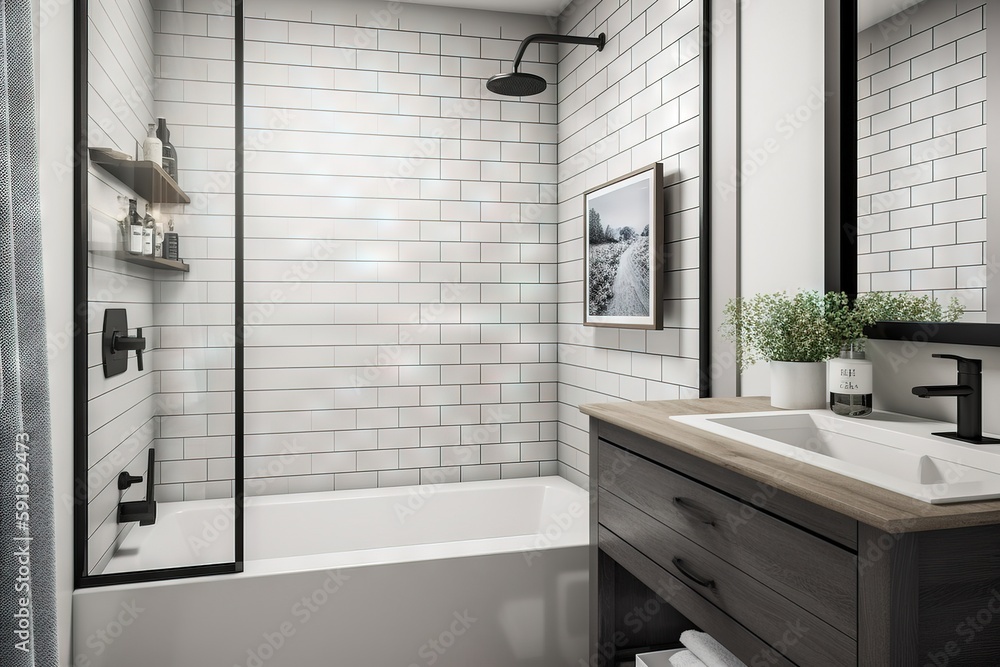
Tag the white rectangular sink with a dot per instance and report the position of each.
(895, 452)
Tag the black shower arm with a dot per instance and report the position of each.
(598, 41)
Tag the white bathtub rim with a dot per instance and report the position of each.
(414, 553)
(427, 490)
(532, 546)
(441, 488)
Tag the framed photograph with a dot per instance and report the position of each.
(623, 251)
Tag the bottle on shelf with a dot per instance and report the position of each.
(171, 243)
(134, 228)
(157, 239)
(148, 233)
(123, 221)
(152, 147)
(169, 151)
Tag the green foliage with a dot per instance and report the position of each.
(811, 326)
(886, 307)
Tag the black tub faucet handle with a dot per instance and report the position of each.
(126, 480)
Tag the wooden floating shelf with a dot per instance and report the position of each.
(147, 179)
(146, 261)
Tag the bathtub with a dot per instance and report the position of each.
(481, 573)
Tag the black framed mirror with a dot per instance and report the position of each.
(907, 147)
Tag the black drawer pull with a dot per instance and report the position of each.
(688, 508)
(679, 564)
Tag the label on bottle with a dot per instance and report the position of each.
(135, 239)
(171, 246)
(850, 377)
(147, 241)
(158, 240)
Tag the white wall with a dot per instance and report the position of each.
(782, 164)
(55, 82)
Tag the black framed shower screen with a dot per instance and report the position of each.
(81, 491)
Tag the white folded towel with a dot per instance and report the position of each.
(685, 659)
(708, 650)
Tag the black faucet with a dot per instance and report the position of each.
(969, 392)
(143, 511)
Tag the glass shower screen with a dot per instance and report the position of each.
(156, 459)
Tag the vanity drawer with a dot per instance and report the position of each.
(796, 632)
(817, 575)
(740, 641)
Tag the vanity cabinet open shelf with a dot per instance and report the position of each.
(784, 563)
(146, 261)
(147, 179)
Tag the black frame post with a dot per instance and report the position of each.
(705, 208)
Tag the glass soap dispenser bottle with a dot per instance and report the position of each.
(850, 381)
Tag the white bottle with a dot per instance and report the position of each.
(148, 234)
(850, 382)
(152, 147)
(158, 239)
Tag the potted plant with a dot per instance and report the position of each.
(797, 334)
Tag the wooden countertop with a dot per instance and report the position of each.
(864, 502)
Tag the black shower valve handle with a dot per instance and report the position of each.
(126, 342)
(138, 352)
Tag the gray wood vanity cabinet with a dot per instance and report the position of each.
(782, 562)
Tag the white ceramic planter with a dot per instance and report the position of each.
(798, 385)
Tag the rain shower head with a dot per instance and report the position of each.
(522, 84)
(516, 84)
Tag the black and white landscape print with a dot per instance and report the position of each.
(619, 284)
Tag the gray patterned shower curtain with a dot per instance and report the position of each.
(27, 596)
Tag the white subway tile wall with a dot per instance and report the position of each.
(151, 59)
(400, 250)
(195, 91)
(921, 154)
(635, 103)
(121, 410)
